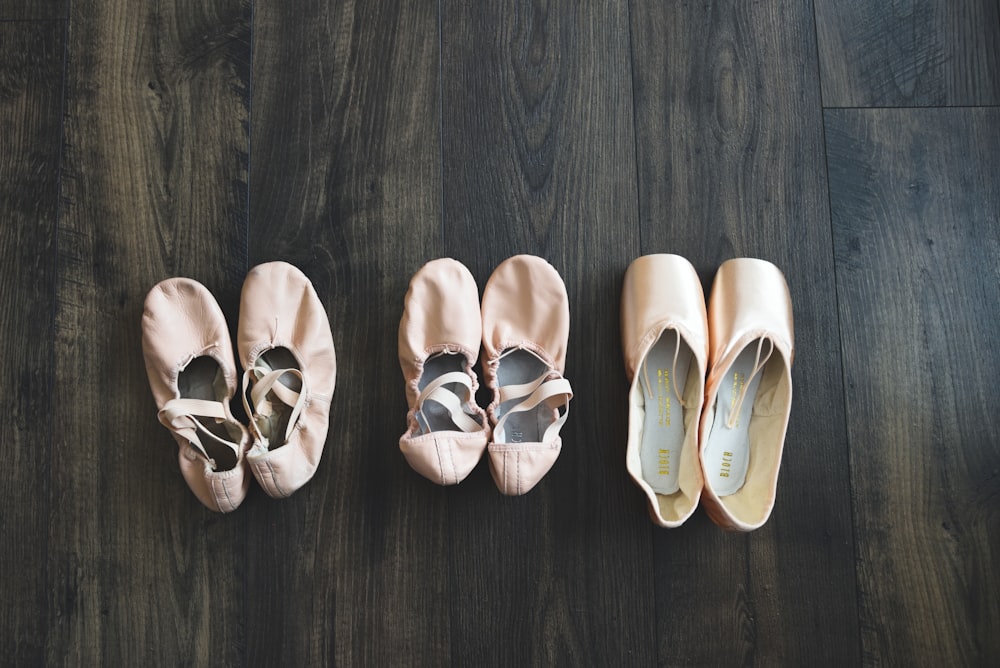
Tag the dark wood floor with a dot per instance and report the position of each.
(855, 144)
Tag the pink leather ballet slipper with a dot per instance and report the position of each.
(189, 361)
(665, 344)
(525, 332)
(286, 347)
(748, 395)
(439, 336)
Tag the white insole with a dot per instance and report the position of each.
(203, 379)
(663, 428)
(435, 416)
(727, 453)
(518, 368)
(272, 418)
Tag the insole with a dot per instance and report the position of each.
(727, 453)
(434, 416)
(518, 368)
(203, 379)
(663, 429)
(273, 420)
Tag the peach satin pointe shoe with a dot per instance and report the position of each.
(189, 362)
(748, 394)
(665, 345)
(286, 347)
(525, 332)
(439, 338)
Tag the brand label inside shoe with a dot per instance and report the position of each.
(727, 464)
(664, 462)
(662, 378)
(663, 397)
(517, 437)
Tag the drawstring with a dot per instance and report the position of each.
(734, 412)
(673, 369)
(201, 352)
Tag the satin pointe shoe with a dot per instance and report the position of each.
(439, 338)
(665, 344)
(748, 394)
(286, 347)
(525, 333)
(189, 362)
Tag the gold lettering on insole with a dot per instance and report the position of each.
(664, 462)
(663, 397)
(727, 463)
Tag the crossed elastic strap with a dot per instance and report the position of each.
(181, 416)
(555, 393)
(266, 381)
(448, 398)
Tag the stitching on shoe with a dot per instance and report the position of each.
(518, 473)
(437, 451)
(274, 480)
(225, 489)
(504, 472)
(451, 456)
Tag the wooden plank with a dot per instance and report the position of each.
(346, 185)
(31, 57)
(539, 158)
(154, 185)
(36, 10)
(917, 243)
(729, 147)
(919, 53)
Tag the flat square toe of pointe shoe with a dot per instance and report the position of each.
(665, 346)
(748, 393)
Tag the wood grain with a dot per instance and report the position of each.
(918, 53)
(539, 158)
(31, 57)
(915, 213)
(359, 140)
(346, 184)
(36, 10)
(729, 147)
(154, 186)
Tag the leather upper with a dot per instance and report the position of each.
(441, 315)
(525, 306)
(181, 321)
(279, 308)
